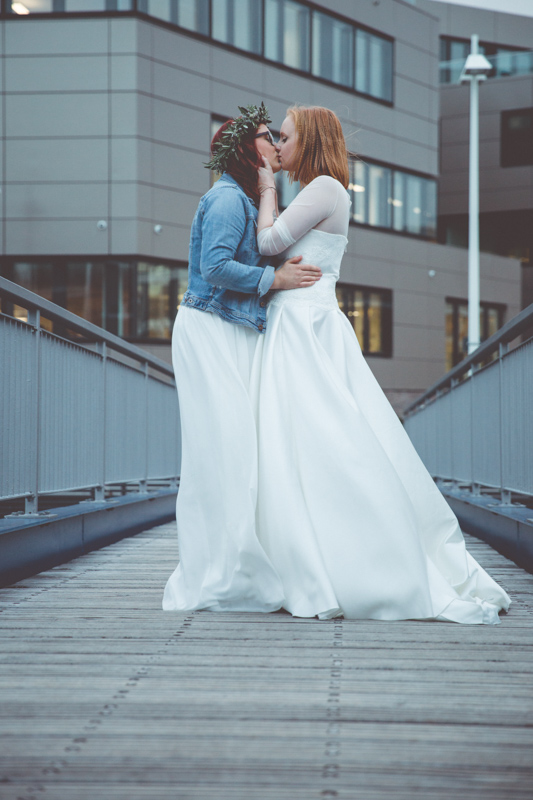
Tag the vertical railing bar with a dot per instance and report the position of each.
(31, 503)
(99, 491)
(143, 484)
(505, 495)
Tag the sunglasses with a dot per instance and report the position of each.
(267, 136)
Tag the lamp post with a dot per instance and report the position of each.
(476, 69)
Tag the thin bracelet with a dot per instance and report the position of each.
(266, 188)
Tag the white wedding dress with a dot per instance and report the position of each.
(346, 512)
(300, 488)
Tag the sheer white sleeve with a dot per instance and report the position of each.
(317, 202)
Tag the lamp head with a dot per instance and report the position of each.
(476, 66)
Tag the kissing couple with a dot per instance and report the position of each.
(300, 489)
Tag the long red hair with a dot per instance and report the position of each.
(244, 168)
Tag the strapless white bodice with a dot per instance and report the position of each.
(324, 250)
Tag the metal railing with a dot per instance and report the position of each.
(475, 425)
(79, 415)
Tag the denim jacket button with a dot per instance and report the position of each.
(262, 304)
(260, 327)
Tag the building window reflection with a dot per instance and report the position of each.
(373, 65)
(292, 30)
(332, 49)
(133, 299)
(287, 27)
(190, 14)
(239, 23)
(369, 311)
(491, 318)
(386, 197)
(505, 61)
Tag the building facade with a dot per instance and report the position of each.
(506, 134)
(108, 111)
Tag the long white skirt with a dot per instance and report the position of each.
(347, 513)
(222, 565)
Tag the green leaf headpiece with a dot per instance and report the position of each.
(251, 118)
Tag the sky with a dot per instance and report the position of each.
(524, 7)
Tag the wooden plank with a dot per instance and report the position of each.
(104, 695)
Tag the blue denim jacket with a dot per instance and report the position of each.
(227, 274)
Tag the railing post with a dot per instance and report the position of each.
(505, 495)
(143, 484)
(31, 502)
(99, 491)
(476, 488)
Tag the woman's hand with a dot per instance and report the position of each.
(294, 275)
(266, 178)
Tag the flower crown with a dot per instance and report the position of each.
(252, 117)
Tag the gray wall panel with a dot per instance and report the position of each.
(59, 160)
(179, 50)
(177, 125)
(57, 73)
(46, 201)
(181, 86)
(56, 115)
(61, 36)
(131, 36)
(42, 237)
(131, 113)
(130, 73)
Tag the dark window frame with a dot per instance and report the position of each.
(110, 323)
(458, 353)
(347, 289)
(508, 148)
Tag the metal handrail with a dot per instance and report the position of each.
(521, 323)
(29, 300)
(80, 415)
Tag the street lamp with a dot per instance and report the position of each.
(476, 69)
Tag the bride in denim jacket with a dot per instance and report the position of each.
(220, 320)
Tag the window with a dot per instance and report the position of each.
(238, 22)
(370, 313)
(491, 318)
(190, 14)
(287, 28)
(414, 204)
(373, 65)
(516, 144)
(385, 197)
(133, 299)
(505, 60)
(370, 185)
(342, 53)
(332, 49)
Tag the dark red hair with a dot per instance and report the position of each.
(244, 169)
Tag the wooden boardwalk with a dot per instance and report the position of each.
(104, 696)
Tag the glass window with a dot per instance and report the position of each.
(287, 33)
(516, 146)
(373, 65)
(190, 14)
(491, 318)
(371, 191)
(332, 49)
(370, 314)
(131, 299)
(414, 204)
(238, 22)
(90, 5)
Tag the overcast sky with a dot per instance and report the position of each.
(524, 7)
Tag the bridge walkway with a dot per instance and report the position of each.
(105, 696)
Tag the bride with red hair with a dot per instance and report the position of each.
(346, 512)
